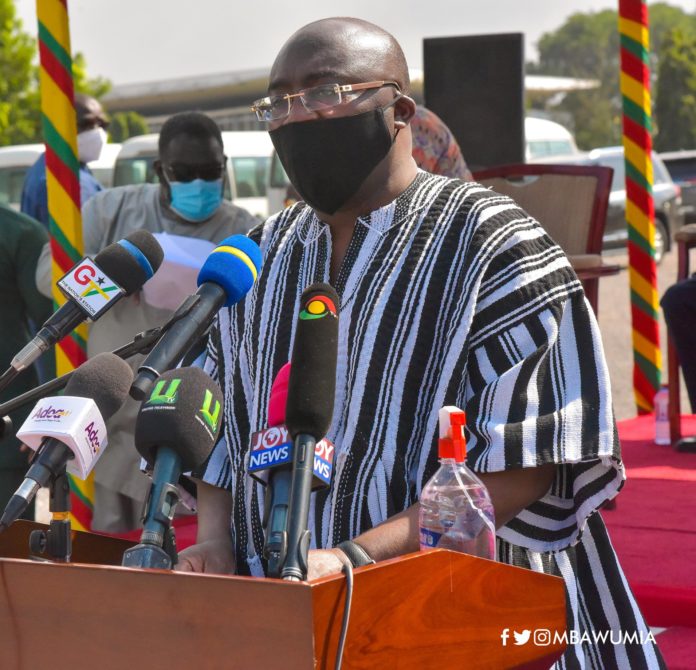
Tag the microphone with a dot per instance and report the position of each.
(93, 286)
(69, 429)
(176, 430)
(309, 410)
(270, 464)
(225, 278)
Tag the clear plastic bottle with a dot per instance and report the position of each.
(661, 405)
(455, 509)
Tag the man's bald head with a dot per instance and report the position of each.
(349, 50)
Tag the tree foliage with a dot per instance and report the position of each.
(675, 106)
(97, 87)
(19, 100)
(127, 124)
(587, 46)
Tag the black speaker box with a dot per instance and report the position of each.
(475, 84)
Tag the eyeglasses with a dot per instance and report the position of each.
(315, 99)
(184, 172)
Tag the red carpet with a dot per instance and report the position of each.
(653, 529)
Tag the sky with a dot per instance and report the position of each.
(130, 41)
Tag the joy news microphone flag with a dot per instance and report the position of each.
(176, 430)
(69, 431)
(94, 286)
(270, 463)
(309, 411)
(225, 278)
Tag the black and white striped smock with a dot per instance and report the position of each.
(450, 295)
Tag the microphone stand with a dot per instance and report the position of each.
(142, 343)
(298, 535)
(56, 542)
(157, 548)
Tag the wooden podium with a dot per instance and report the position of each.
(436, 610)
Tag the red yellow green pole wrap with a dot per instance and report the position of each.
(640, 210)
(63, 187)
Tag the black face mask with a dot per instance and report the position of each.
(328, 160)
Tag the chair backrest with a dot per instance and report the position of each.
(570, 201)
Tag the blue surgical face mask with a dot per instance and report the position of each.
(195, 200)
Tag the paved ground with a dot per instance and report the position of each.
(615, 324)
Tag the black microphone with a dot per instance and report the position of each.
(176, 430)
(270, 463)
(309, 410)
(75, 423)
(92, 287)
(225, 278)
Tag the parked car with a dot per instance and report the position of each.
(16, 160)
(545, 138)
(682, 168)
(248, 162)
(666, 195)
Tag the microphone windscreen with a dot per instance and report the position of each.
(312, 383)
(106, 379)
(183, 413)
(278, 397)
(235, 265)
(130, 262)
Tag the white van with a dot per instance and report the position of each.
(248, 160)
(16, 160)
(14, 163)
(103, 167)
(545, 138)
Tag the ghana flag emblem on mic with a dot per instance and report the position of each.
(318, 307)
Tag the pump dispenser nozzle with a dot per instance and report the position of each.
(452, 442)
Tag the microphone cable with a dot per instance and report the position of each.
(347, 570)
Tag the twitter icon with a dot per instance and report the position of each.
(521, 638)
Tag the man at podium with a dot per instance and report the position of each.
(449, 295)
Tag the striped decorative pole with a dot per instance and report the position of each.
(640, 210)
(63, 186)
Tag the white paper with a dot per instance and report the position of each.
(177, 277)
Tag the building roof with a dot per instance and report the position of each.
(238, 89)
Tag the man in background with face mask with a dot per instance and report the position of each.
(187, 203)
(449, 295)
(91, 138)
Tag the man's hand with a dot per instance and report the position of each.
(214, 553)
(211, 557)
(324, 562)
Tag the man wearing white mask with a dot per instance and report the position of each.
(91, 138)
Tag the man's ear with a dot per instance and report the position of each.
(164, 184)
(404, 110)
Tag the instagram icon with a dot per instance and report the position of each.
(542, 637)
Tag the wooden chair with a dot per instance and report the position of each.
(570, 202)
(686, 240)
